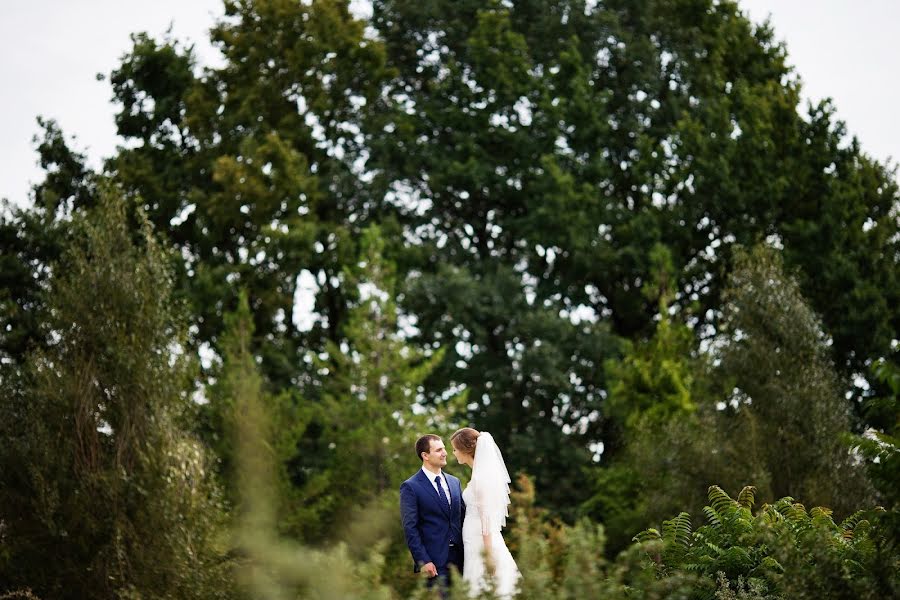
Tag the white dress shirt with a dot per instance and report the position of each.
(444, 485)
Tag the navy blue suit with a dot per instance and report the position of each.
(433, 528)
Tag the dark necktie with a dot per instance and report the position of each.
(441, 490)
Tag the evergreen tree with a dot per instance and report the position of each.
(657, 454)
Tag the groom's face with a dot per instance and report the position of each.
(436, 457)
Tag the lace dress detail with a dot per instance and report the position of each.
(474, 569)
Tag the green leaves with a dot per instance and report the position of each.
(100, 478)
(775, 549)
(559, 191)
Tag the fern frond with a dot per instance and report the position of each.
(783, 504)
(693, 568)
(647, 535)
(716, 550)
(821, 510)
(862, 530)
(747, 497)
(821, 517)
(720, 500)
(796, 513)
(849, 524)
(678, 530)
(712, 516)
(769, 514)
(737, 559)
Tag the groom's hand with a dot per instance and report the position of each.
(430, 569)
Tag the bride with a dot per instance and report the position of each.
(487, 497)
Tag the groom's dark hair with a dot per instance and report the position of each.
(423, 444)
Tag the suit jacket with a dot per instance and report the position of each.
(430, 524)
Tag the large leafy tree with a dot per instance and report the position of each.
(254, 169)
(538, 151)
(31, 240)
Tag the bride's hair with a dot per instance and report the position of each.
(465, 439)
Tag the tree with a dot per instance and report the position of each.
(103, 492)
(523, 160)
(252, 170)
(657, 452)
(31, 240)
(881, 446)
(764, 403)
(365, 421)
(538, 151)
(788, 408)
(240, 393)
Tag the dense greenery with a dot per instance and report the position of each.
(104, 492)
(607, 232)
(782, 550)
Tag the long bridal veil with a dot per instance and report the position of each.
(491, 483)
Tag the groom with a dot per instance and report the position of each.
(432, 511)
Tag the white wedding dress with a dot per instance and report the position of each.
(487, 498)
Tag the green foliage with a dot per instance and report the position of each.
(551, 166)
(526, 162)
(781, 550)
(651, 403)
(763, 401)
(789, 413)
(219, 419)
(31, 240)
(651, 384)
(560, 561)
(272, 566)
(551, 197)
(251, 169)
(103, 492)
(881, 448)
(363, 428)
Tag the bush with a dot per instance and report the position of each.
(783, 550)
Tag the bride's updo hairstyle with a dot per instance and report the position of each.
(465, 439)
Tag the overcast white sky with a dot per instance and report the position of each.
(52, 49)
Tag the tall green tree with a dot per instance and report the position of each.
(539, 150)
(277, 420)
(103, 492)
(31, 240)
(788, 406)
(656, 454)
(365, 419)
(762, 404)
(523, 160)
(254, 170)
